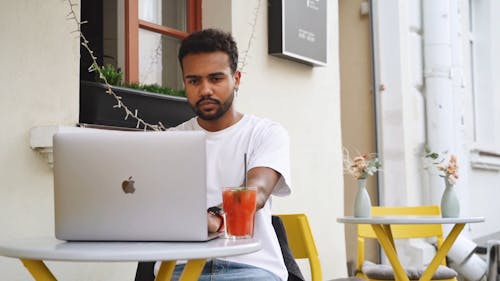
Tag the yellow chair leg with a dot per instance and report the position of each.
(192, 270)
(166, 270)
(38, 270)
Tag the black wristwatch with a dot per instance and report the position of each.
(218, 212)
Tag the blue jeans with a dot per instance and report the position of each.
(220, 270)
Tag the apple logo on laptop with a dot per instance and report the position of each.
(128, 185)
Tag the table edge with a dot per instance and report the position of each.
(14, 251)
(408, 220)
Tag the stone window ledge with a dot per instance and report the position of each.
(485, 159)
(41, 136)
(41, 139)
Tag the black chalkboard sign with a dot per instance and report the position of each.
(297, 30)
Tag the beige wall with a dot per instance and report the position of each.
(40, 58)
(39, 73)
(358, 104)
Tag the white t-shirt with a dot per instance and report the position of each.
(266, 144)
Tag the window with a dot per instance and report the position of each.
(139, 36)
(142, 38)
(483, 41)
(153, 31)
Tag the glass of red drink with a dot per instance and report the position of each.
(239, 210)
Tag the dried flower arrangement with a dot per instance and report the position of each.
(450, 171)
(362, 166)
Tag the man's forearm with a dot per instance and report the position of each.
(265, 180)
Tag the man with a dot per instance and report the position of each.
(209, 65)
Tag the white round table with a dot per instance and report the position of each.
(33, 251)
(382, 228)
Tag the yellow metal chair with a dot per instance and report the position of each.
(301, 242)
(401, 232)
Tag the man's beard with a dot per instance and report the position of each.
(223, 108)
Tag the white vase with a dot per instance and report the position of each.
(362, 203)
(450, 206)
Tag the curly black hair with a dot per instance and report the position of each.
(207, 41)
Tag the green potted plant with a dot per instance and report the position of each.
(153, 103)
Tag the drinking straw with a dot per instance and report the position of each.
(245, 177)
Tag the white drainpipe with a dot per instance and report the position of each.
(438, 84)
(443, 81)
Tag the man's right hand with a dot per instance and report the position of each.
(214, 219)
(214, 222)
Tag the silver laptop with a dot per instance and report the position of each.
(130, 186)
